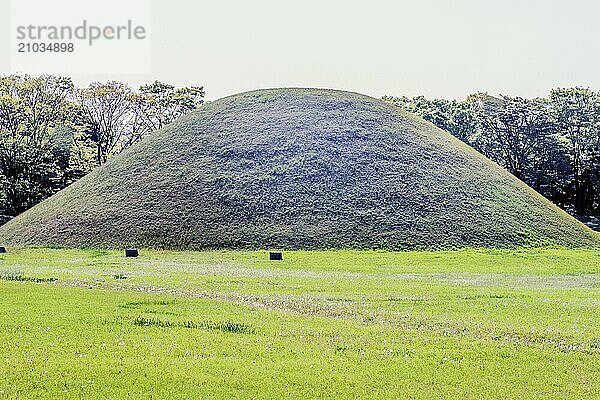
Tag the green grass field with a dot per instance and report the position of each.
(343, 324)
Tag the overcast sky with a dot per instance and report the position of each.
(431, 47)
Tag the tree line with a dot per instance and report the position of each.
(552, 143)
(53, 133)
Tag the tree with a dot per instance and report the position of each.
(456, 118)
(159, 104)
(35, 146)
(577, 115)
(115, 117)
(51, 134)
(105, 113)
(515, 133)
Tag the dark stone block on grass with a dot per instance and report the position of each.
(131, 253)
(275, 256)
(2, 250)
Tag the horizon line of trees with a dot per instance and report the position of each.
(53, 133)
(551, 143)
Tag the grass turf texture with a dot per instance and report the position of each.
(302, 169)
(344, 324)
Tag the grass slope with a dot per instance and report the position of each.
(298, 168)
(347, 324)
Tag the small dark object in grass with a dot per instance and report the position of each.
(131, 253)
(2, 250)
(275, 256)
(120, 276)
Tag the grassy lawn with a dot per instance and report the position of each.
(339, 324)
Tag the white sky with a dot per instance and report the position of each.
(432, 47)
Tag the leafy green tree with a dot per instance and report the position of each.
(577, 114)
(35, 147)
(515, 133)
(519, 134)
(115, 117)
(105, 114)
(159, 104)
(453, 116)
(51, 133)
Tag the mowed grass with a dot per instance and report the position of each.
(339, 324)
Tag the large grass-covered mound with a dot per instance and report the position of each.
(298, 168)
